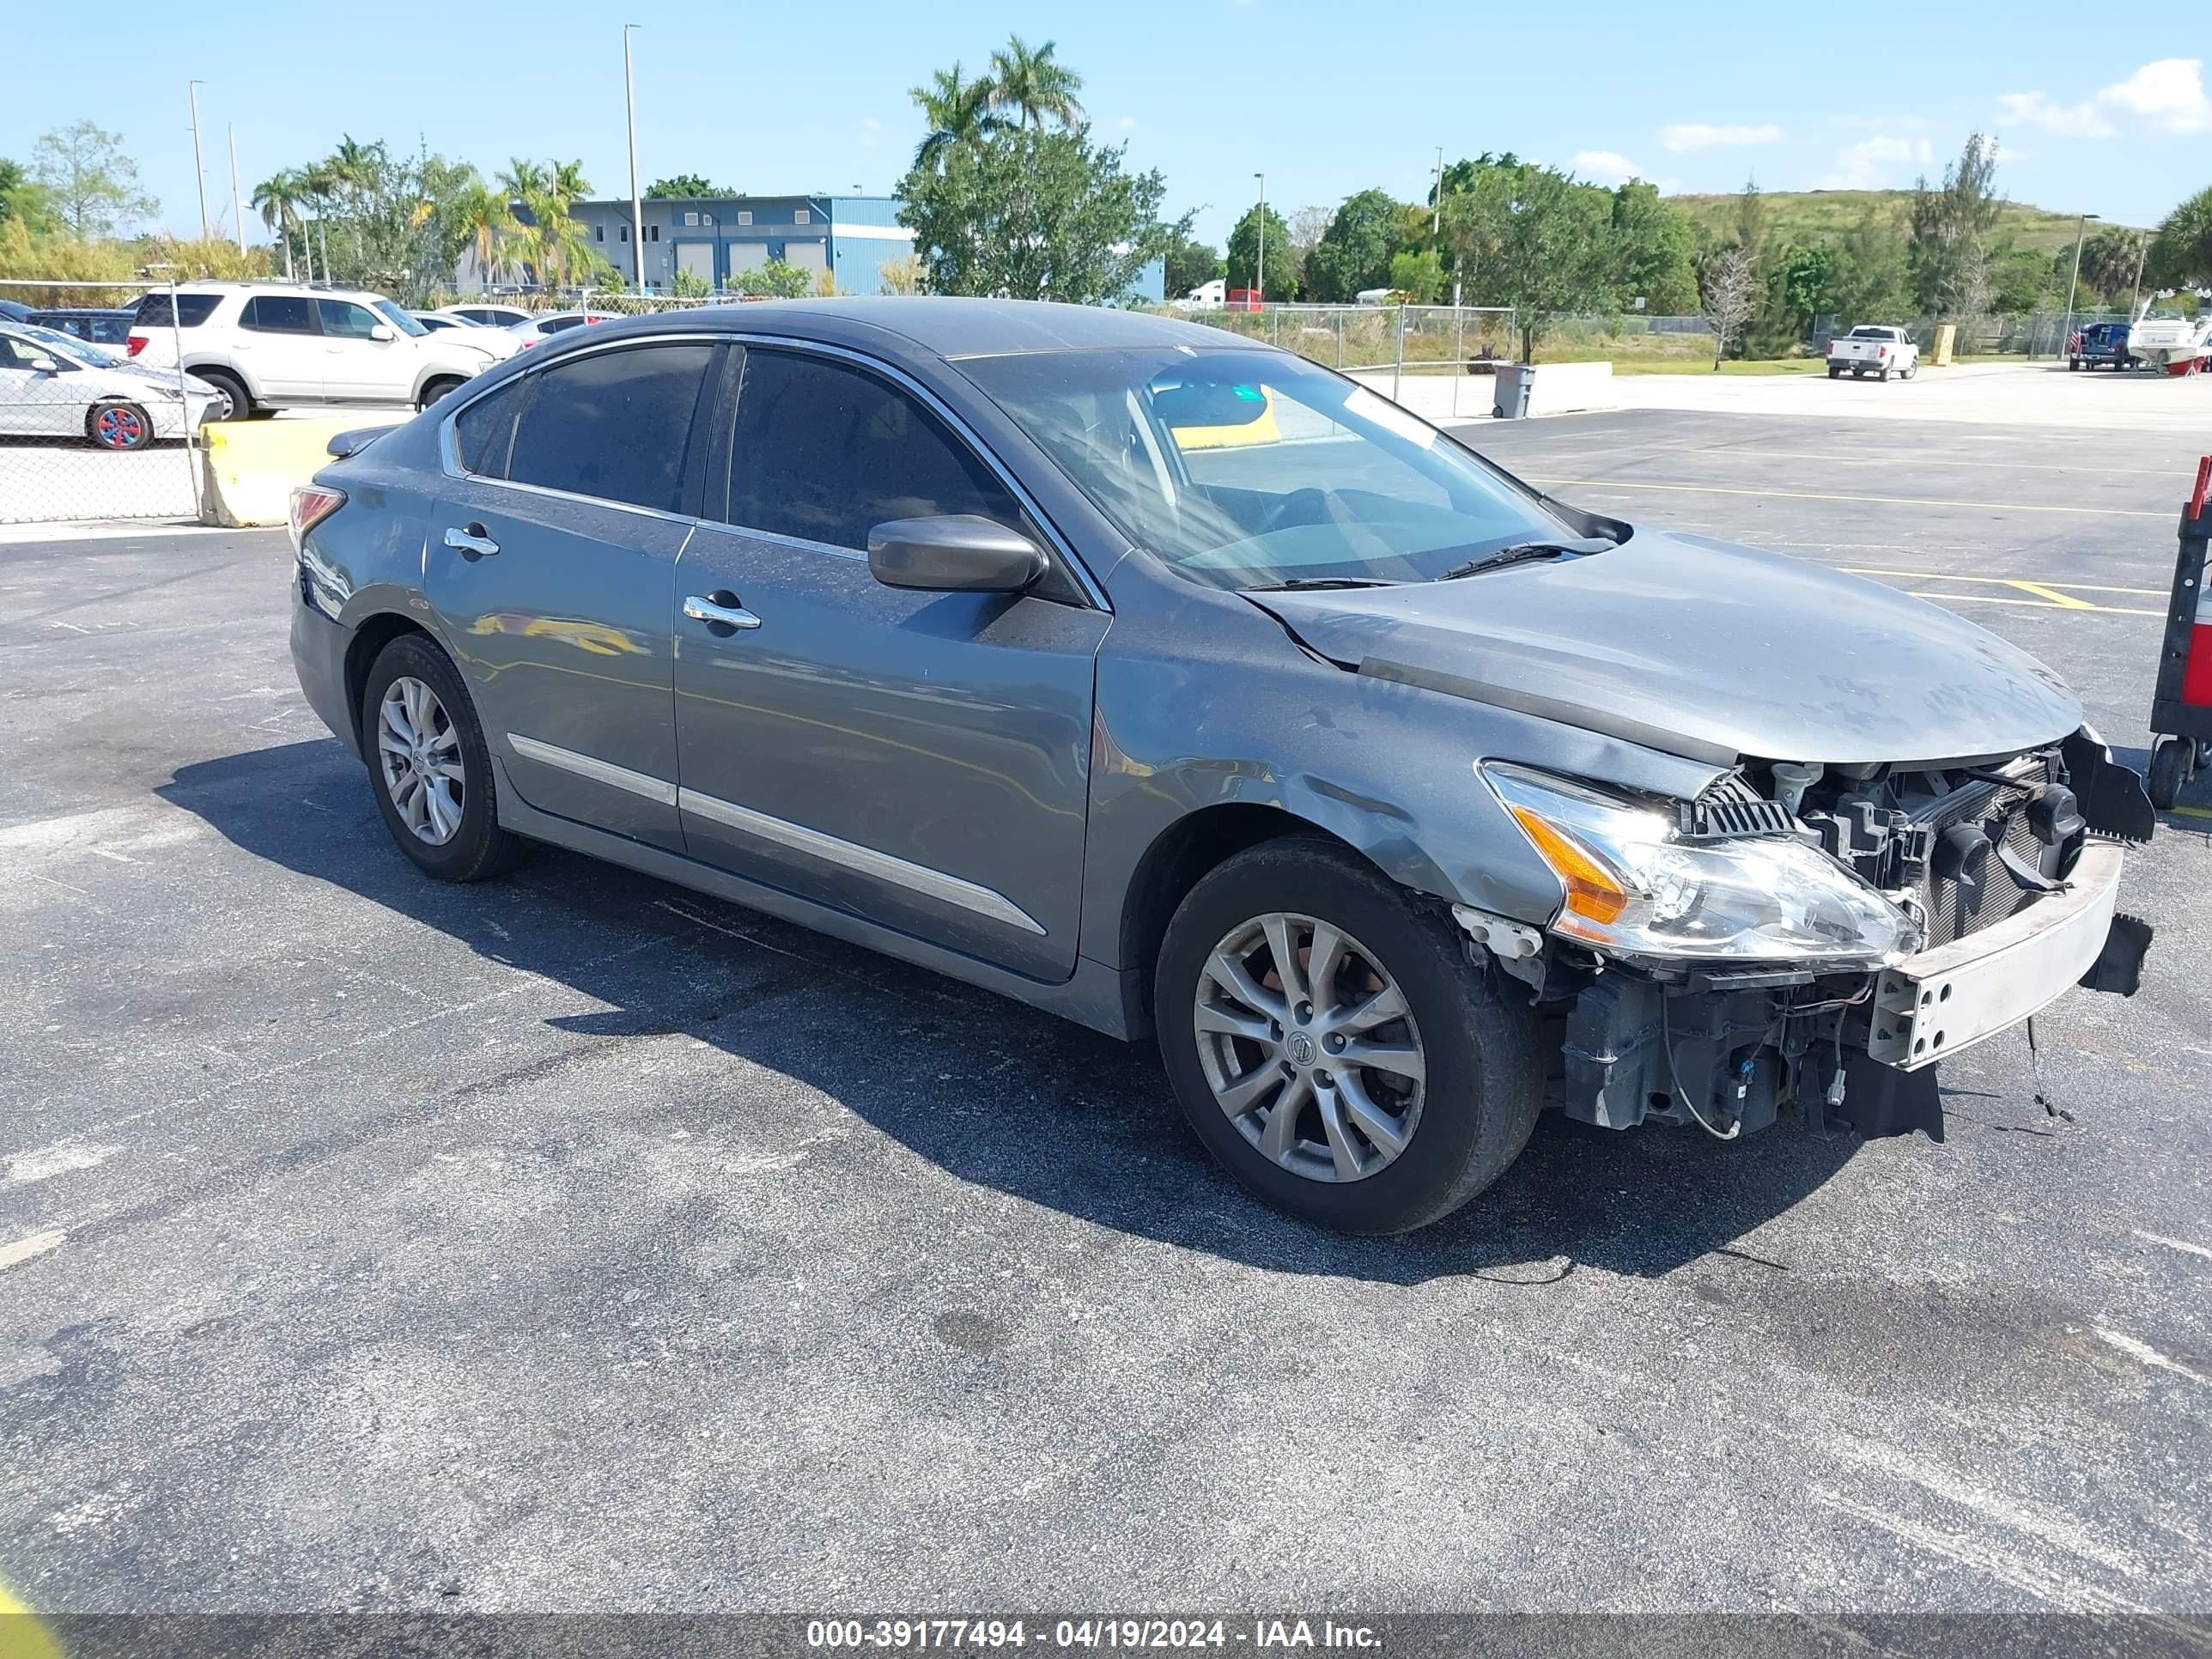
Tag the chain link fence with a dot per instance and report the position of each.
(85, 433)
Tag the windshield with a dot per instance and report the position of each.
(81, 352)
(1249, 469)
(397, 317)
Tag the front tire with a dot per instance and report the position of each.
(428, 765)
(1333, 1045)
(434, 389)
(119, 426)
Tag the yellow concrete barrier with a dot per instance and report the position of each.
(248, 469)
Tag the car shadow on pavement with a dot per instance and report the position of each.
(1011, 1098)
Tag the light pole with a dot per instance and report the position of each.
(199, 166)
(1260, 230)
(1436, 212)
(2066, 333)
(2142, 252)
(237, 207)
(636, 207)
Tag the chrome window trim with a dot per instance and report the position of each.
(449, 448)
(965, 432)
(969, 895)
(590, 766)
(782, 540)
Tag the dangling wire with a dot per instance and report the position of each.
(1666, 1035)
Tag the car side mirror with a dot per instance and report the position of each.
(383, 332)
(955, 553)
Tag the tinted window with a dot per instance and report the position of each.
(826, 452)
(554, 325)
(484, 431)
(614, 424)
(279, 313)
(347, 321)
(192, 310)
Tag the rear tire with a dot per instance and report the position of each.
(1444, 1129)
(1835, 371)
(238, 403)
(1883, 375)
(450, 763)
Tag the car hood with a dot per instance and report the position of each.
(1705, 649)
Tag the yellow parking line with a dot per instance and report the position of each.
(2063, 601)
(2191, 811)
(1952, 596)
(1945, 576)
(1824, 495)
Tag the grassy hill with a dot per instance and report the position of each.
(1810, 215)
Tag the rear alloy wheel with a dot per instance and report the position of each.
(428, 766)
(1333, 1045)
(119, 426)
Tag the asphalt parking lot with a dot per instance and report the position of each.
(575, 1242)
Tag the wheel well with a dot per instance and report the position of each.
(435, 386)
(1185, 852)
(368, 642)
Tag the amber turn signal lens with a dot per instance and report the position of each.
(1592, 891)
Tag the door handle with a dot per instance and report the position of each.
(719, 611)
(470, 542)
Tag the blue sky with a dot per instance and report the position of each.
(1326, 99)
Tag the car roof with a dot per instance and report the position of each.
(952, 327)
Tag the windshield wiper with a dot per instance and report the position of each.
(1519, 551)
(1307, 584)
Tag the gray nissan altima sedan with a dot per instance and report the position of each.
(1184, 688)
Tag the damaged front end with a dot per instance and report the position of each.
(1816, 938)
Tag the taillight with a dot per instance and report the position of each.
(1881, 351)
(136, 343)
(311, 505)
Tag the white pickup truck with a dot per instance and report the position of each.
(1881, 352)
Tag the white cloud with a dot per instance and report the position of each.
(1879, 162)
(1126, 122)
(1686, 135)
(2034, 109)
(2167, 94)
(1606, 166)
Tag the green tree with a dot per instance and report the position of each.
(1190, 263)
(1031, 84)
(778, 278)
(2181, 252)
(1037, 214)
(1419, 277)
(682, 186)
(91, 185)
(1867, 276)
(1752, 225)
(485, 219)
(1948, 253)
(1354, 253)
(279, 199)
(2028, 279)
(1655, 252)
(2110, 262)
(1242, 267)
(1532, 238)
(22, 202)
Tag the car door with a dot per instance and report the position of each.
(551, 569)
(358, 368)
(919, 760)
(279, 346)
(42, 393)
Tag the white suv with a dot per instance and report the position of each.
(266, 346)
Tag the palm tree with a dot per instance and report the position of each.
(956, 110)
(278, 199)
(487, 217)
(568, 184)
(1034, 84)
(320, 185)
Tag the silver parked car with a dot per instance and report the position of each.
(1184, 688)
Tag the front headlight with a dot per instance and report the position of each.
(1635, 888)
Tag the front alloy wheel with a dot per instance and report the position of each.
(1309, 1047)
(419, 751)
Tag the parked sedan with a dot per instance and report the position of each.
(537, 329)
(490, 316)
(1396, 799)
(500, 342)
(54, 385)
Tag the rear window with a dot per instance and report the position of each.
(279, 313)
(614, 424)
(191, 310)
